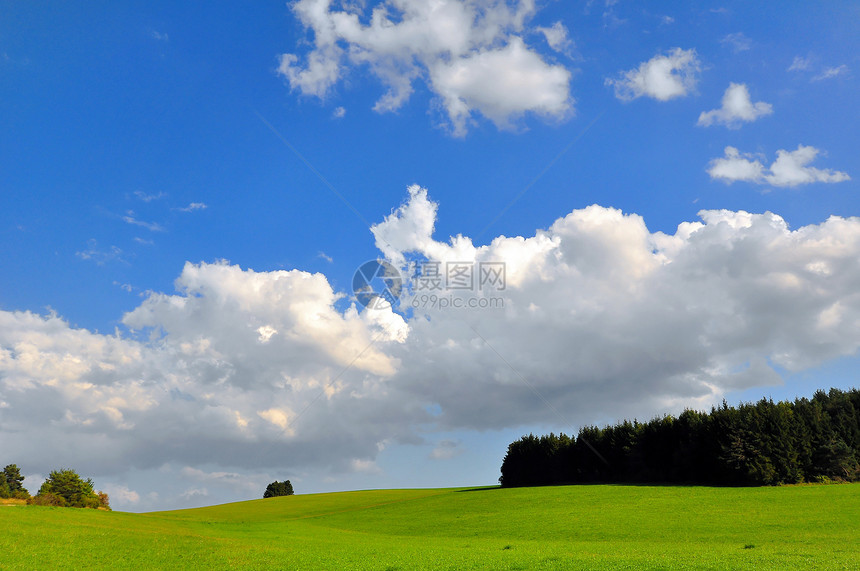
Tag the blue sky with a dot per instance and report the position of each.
(273, 149)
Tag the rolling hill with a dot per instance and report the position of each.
(570, 527)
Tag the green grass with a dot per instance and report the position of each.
(573, 527)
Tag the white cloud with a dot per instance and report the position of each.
(99, 256)
(266, 332)
(557, 38)
(502, 84)
(148, 197)
(339, 113)
(194, 493)
(735, 166)
(737, 108)
(470, 54)
(193, 206)
(800, 64)
(789, 169)
(277, 417)
(151, 226)
(737, 41)
(831, 72)
(663, 77)
(121, 496)
(603, 317)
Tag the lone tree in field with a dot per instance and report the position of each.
(13, 478)
(10, 483)
(277, 488)
(65, 488)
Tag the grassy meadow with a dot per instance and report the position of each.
(570, 527)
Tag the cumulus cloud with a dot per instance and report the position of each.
(239, 370)
(557, 38)
(471, 55)
(663, 77)
(789, 169)
(737, 108)
(121, 496)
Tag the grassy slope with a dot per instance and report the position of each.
(527, 528)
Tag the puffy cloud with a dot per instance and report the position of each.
(557, 38)
(735, 166)
(502, 84)
(220, 372)
(737, 108)
(663, 77)
(239, 370)
(789, 169)
(470, 54)
(121, 496)
(604, 317)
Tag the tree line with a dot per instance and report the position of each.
(62, 488)
(753, 444)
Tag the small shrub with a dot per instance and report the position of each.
(104, 501)
(47, 499)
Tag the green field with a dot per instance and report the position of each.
(572, 527)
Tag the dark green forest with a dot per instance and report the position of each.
(753, 444)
